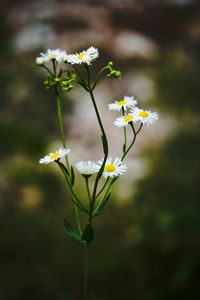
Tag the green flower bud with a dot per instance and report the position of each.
(117, 74)
(110, 64)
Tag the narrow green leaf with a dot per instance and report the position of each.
(105, 144)
(62, 166)
(72, 176)
(72, 232)
(88, 234)
(103, 205)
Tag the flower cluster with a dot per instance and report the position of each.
(134, 115)
(106, 170)
(87, 168)
(59, 56)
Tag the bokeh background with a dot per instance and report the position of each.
(147, 243)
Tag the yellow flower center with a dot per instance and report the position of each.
(110, 168)
(143, 114)
(54, 155)
(55, 55)
(81, 55)
(128, 118)
(121, 102)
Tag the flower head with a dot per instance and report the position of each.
(86, 56)
(145, 116)
(57, 55)
(114, 168)
(125, 120)
(54, 156)
(87, 167)
(125, 103)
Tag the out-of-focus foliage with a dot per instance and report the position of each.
(147, 248)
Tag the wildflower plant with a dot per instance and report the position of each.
(63, 71)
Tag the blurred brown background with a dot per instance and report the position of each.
(147, 241)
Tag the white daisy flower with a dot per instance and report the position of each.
(125, 103)
(145, 116)
(93, 52)
(114, 168)
(87, 167)
(58, 55)
(124, 120)
(54, 156)
(86, 56)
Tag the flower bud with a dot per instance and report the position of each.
(110, 64)
(117, 74)
(39, 61)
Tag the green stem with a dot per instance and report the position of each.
(125, 140)
(98, 76)
(101, 190)
(60, 122)
(62, 133)
(82, 81)
(87, 187)
(135, 133)
(105, 141)
(86, 277)
(49, 71)
(76, 201)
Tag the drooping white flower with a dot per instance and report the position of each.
(125, 103)
(58, 55)
(87, 167)
(114, 168)
(125, 120)
(85, 56)
(145, 116)
(51, 157)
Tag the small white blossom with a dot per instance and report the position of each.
(54, 156)
(114, 168)
(85, 56)
(58, 55)
(145, 116)
(125, 103)
(125, 120)
(87, 167)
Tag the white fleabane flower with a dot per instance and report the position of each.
(145, 116)
(54, 156)
(93, 52)
(124, 120)
(86, 56)
(87, 167)
(58, 55)
(114, 168)
(125, 103)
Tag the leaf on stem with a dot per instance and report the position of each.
(72, 176)
(88, 234)
(72, 232)
(105, 144)
(103, 204)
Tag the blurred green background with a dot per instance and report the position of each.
(147, 243)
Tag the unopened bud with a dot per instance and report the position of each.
(39, 61)
(117, 74)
